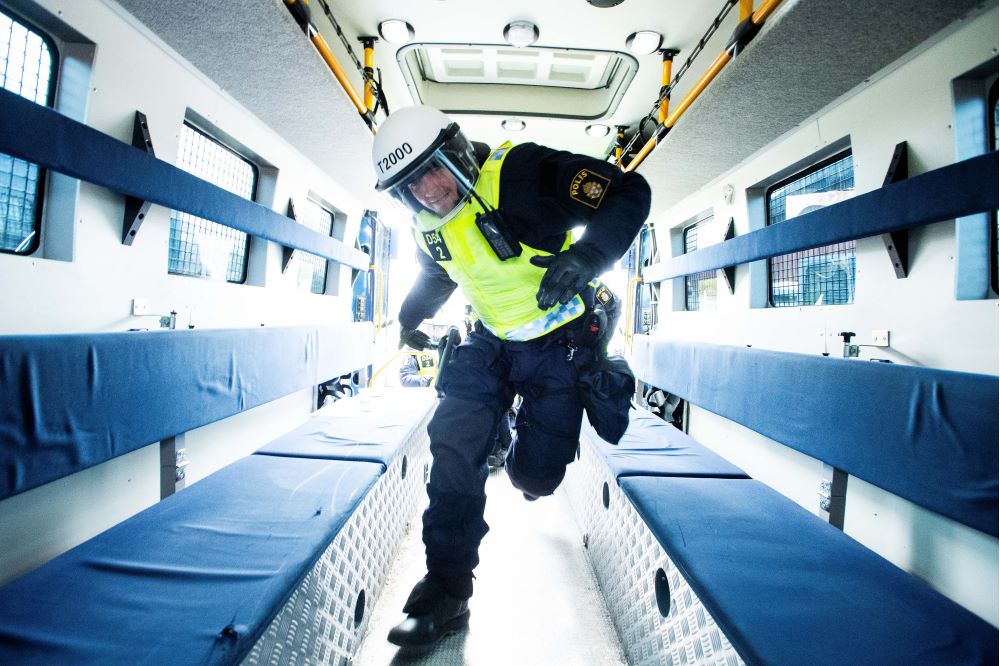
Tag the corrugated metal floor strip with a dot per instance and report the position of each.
(536, 599)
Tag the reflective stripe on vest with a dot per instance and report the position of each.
(501, 292)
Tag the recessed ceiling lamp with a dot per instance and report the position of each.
(396, 31)
(520, 33)
(643, 42)
(597, 130)
(513, 125)
(603, 4)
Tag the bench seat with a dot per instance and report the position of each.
(372, 427)
(653, 447)
(787, 588)
(194, 579)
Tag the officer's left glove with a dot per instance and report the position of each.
(414, 339)
(568, 273)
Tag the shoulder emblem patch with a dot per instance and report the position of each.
(589, 188)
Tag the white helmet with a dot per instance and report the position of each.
(424, 162)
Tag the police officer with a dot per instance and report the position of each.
(500, 230)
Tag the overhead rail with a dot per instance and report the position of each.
(303, 16)
(41, 135)
(956, 190)
(748, 27)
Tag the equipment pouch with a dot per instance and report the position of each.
(606, 388)
(497, 233)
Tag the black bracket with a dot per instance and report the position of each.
(897, 243)
(286, 252)
(730, 271)
(136, 209)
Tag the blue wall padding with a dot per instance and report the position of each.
(371, 427)
(38, 134)
(943, 194)
(194, 579)
(73, 401)
(653, 447)
(787, 588)
(930, 436)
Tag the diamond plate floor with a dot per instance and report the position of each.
(536, 600)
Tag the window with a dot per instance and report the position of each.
(311, 269)
(199, 247)
(27, 68)
(700, 288)
(824, 275)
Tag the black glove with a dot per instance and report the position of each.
(568, 273)
(414, 339)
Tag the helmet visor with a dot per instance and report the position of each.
(438, 186)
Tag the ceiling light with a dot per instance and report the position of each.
(643, 42)
(520, 33)
(597, 130)
(604, 4)
(513, 125)
(396, 31)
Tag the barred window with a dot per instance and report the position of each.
(311, 269)
(27, 68)
(200, 247)
(823, 275)
(700, 288)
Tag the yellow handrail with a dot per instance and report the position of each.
(392, 358)
(757, 17)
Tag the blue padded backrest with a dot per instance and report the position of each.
(943, 194)
(930, 436)
(373, 426)
(787, 588)
(194, 579)
(38, 134)
(73, 401)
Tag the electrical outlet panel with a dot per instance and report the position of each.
(140, 306)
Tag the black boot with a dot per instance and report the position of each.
(432, 614)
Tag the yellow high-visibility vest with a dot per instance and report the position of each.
(501, 292)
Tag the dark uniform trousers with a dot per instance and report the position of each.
(479, 385)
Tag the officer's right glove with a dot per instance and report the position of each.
(566, 274)
(414, 339)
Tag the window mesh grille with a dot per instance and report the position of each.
(311, 269)
(823, 275)
(200, 247)
(26, 69)
(700, 288)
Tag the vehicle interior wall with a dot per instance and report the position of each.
(909, 101)
(92, 290)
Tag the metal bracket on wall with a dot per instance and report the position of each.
(730, 271)
(173, 465)
(897, 243)
(137, 209)
(286, 252)
(833, 495)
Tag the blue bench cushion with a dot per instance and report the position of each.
(653, 447)
(194, 579)
(787, 588)
(371, 426)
